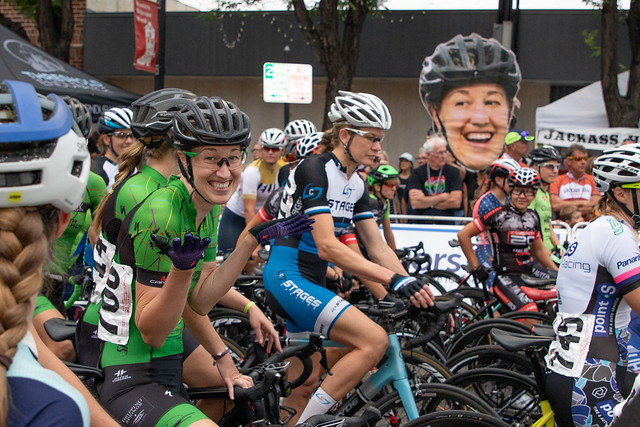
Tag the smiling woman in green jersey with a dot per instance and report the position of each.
(142, 312)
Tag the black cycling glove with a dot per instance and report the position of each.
(405, 285)
(480, 273)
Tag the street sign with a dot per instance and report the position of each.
(287, 83)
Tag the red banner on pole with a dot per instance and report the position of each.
(145, 18)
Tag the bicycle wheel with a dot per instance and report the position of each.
(478, 334)
(456, 419)
(489, 356)
(233, 325)
(422, 368)
(447, 279)
(513, 396)
(429, 398)
(522, 315)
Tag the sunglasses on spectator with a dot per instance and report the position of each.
(271, 149)
(371, 137)
(578, 158)
(122, 135)
(513, 136)
(550, 166)
(519, 191)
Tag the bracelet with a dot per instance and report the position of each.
(248, 306)
(221, 354)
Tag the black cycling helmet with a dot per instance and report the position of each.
(81, 114)
(544, 154)
(466, 60)
(210, 121)
(153, 112)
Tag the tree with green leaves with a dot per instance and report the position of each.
(622, 111)
(333, 29)
(55, 24)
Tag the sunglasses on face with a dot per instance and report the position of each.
(578, 158)
(513, 136)
(369, 136)
(122, 135)
(233, 161)
(391, 184)
(529, 192)
(271, 149)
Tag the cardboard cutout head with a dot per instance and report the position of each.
(468, 86)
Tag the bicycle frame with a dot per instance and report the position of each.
(392, 371)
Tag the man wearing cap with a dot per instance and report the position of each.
(405, 167)
(516, 145)
(576, 187)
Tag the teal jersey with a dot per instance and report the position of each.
(65, 245)
(167, 212)
(542, 205)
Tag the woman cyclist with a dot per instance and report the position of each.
(114, 128)
(141, 315)
(258, 181)
(45, 165)
(515, 237)
(496, 196)
(598, 286)
(326, 187)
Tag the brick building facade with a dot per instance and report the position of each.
(12, 12)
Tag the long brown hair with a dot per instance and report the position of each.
(26, 238)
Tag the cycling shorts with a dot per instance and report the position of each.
(507, 288)
(131, 399)
(307, 306)
(231, 225)
(590, 399)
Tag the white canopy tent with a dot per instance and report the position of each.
(581, 118)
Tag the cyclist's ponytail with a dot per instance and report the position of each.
(26, 237)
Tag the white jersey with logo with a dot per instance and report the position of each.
(257, 182)
(600, 267)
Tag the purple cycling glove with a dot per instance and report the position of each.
(184, 256)
(289, 226)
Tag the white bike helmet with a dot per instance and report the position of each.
(525, 177)
(42, 159)
(115, 119)
(307, 145)
(616, 166)
(273, 138)
(299, 128)
(360, 110)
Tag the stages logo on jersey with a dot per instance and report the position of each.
(312, 193)
(295, 291)
(347, 190)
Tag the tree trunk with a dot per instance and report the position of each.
(13, 26)
(56, 30)
(622, 111)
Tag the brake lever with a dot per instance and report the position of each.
(323, 361)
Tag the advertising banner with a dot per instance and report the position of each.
(145, 18)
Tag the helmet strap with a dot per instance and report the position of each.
(347, 147)
(443, 131)
(635, 216)
(188, 175)
(111, 147)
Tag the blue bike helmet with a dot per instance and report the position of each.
(42, 159)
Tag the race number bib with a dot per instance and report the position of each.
(103, 254)
(568, 352)
(117, 305)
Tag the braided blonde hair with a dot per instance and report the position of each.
(26, 237)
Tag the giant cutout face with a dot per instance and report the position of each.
(468, 86)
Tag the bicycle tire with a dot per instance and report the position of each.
(521, 315)
(456, 419)
(423, 368)
(449, 280)
(429, 398)
(233, 325)
(478, 334)
(513, 396)
(489, 356)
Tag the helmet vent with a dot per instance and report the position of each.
(20, 179)
(26, 151)
(76, 169)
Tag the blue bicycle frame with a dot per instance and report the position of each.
(392, 371)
